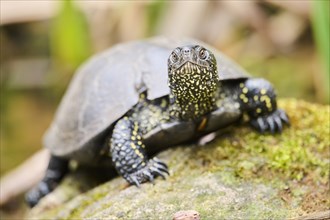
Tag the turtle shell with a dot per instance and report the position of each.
(108, 85)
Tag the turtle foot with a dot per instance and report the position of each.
(38, 192)
(271, 123)
(153, 169)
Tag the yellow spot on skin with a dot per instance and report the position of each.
(263, 91)
(256, 98)
(138, 153)
(245, 100)
(133, 145)
(258, 110)
(241, 85)
(266, 99)
(133, 138)
(245, 90)
(139, 142)
(242, 96)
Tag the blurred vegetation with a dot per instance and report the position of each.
(69, 42)
(154, 13)
(276, 40)
(321, 24)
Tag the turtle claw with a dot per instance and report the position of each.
(153, 169)
(158, 172)
(159, 166)
(278, 123)
(259, 124)
(149, 176)
(159, 162)
(164, 170)
(283, 116)
(133, 180)
(262, 125)
(273, 122)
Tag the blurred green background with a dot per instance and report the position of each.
(43, 42)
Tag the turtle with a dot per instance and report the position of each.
(128, 103)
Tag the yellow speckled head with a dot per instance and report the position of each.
(193, 79)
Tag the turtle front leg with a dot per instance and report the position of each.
(129, 156)
(257, 97)
(56, 170)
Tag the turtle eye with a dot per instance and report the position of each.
(203, 54)
(174, 58)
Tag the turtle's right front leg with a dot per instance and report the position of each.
(129, 156)
(56, 170)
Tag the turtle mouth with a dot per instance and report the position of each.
(190, 68)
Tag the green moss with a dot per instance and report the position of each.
(241, 174)
(302, 149)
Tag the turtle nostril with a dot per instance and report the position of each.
(186, 51)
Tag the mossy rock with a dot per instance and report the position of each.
(239, 175)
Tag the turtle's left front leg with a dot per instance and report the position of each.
(129, 156)
(258, 99)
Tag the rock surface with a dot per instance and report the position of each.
(239, 175)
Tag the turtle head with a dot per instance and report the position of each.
(193, 80)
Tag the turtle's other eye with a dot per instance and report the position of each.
(174, 57)
(203, 54)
